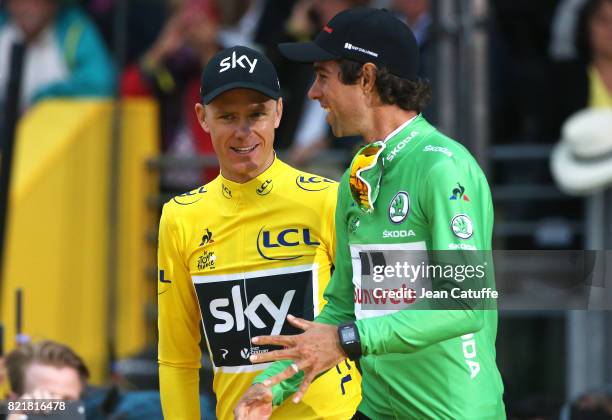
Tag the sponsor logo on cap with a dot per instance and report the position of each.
(233, 62)
(352, 47)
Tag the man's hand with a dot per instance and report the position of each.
(314, 351)
(255, 404)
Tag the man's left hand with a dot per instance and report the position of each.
(314, 351)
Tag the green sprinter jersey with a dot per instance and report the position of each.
(417, 364)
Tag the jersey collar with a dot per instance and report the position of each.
(258, 187)
(409, 132)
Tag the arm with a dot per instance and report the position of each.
(178, 322)
(90, 67)
(339, 293)
(409, 331)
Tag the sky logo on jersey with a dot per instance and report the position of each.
(286, 238)
(189, 197)
(399, 207)
(242, 313)
(237, 307)
(207, 238)
(313, 183)
(462, 226)
(459, 194)
(265, 188)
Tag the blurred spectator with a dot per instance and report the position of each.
(46, 368)
(65, 55)
(416, 14)
(594, 406)
(303, 130)
(50, 370)
(535, 408)
(170, 71)
(563, 29)
(587, 80)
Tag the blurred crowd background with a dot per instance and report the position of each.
(106, 133)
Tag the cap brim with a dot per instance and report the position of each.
(305, 52)
(578, 178)
(237, 85)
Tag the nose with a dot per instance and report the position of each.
(314, 92)
(242, 129)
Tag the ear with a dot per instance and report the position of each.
(200, 111)
(279, 112)
(368, 78)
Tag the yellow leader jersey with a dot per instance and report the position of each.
(239, 258)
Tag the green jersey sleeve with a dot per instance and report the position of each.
(339, 293)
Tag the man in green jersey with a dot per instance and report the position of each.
(410, 189)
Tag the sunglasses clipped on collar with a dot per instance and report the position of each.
(366, 173)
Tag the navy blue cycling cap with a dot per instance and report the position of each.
(238, 67)
(363, 34)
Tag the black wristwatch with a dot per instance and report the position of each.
(349, 340)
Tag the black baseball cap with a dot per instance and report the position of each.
(238, 67)
(363, 34)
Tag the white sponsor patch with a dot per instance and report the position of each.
(349, 46)
(232, 62)
(462, 226)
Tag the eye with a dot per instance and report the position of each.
(258, 114)
(226, 117)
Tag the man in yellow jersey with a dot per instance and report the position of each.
(243, 251)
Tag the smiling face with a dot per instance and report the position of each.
(241, 123)
(343, 103)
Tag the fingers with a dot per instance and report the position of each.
(291, 370)
(277, 340)
(300, 323)
(303, 388)
(273, 356)
(255, 396)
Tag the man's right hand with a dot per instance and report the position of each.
(255, 404)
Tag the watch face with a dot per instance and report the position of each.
(348, 334)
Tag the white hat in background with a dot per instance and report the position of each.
(581, 163)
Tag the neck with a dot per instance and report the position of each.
(604, 68)
(244, 177)
(383, 120)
